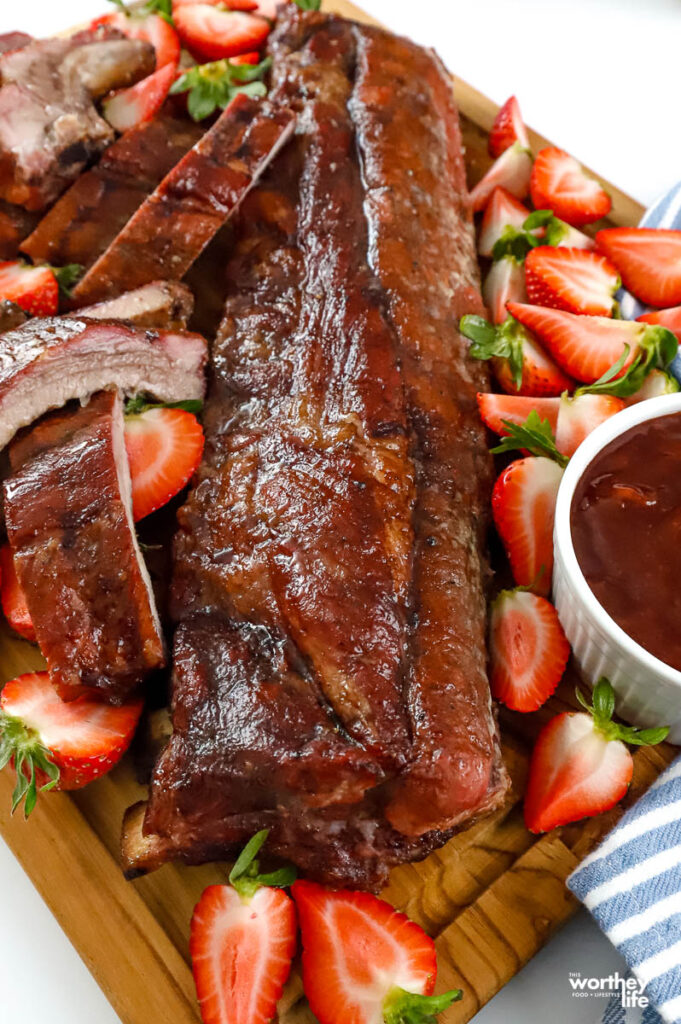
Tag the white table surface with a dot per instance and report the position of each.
(617, 112)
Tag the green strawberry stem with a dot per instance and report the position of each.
(504, 341)
(403, 1007)
(245, 876)
(533, 435)
(216, 84)
(657, 348)
(23, 744)
(602, 709)
(140, 403)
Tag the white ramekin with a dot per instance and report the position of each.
(648, 691)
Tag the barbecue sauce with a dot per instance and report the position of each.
(626, 529)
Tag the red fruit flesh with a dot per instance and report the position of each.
(34, 289)
(13, 598)
(575, 280)
(141, 102)
(508, 128)
(496, 408)
(559, 183)
(210, 33)
(649, 260)
(164, 448)
(511, 171)
(503, 210)
(150, 27)
(541, 376)
(505, 282)
(579, 415)
(669, 318)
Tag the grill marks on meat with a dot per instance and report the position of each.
(69, 522)
(192, 202)
(343, 488)
(49, 127)
(74, 230)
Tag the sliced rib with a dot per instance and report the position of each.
(166, 305)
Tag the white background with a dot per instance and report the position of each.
(598, 77)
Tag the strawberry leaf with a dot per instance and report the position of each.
(163, 8)
(657, 348)
(402, 1007)
(121, 6)
(245, 877)
(66, 277)
(514, 242)
(213, 86)
(503, 342)
(23, 744)
(602, 709)
(534, 435)
(140, 403)
(309, 5)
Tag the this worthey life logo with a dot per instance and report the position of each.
(629, 989)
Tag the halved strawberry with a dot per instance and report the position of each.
(658, 382)
(503, 210)
(586, 347)
(495, 409)
(210, 33)
(59, 744)
(363, 962)
(141, 102)
(559, 183)
(528, 650)
(543, 228)
(521, 366)
(669, 318)
(505, 282)
(508, 128)
(232, 5)
(35, 289)
(558, 436)
(246, 58)
(580, 765)
(12, 596)
(150, 27)
(571, 279)
(164, 447)
(579, 415)
(243, 937)
(511, 171)
(523, 507)
(649, 260)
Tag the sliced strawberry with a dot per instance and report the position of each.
(505, 282)
(523, 506)
(571, 279)
(511, 171)
(150, 27)
(164, 448)
(580, 765)
(543, 225)
(363, 962)
(559, 183)
(210, 33)
(658, 382)
(503, 210)
(246, 58)
(13, 598)
(521, 366)
(127, 108)
(586, 347)
(268, 9)
(508, 128)
(528, 650)
(579, 415)
(35, 289)
(649, 260)
(669, 318)
(495, 409)
(232, 5)
(59, 744)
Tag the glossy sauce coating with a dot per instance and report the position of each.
(626, 529)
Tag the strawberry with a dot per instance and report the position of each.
(579, 415)
(59, 744)
(210, 33)
(363, 962)
(35, 289)
(503, 210)
(505, 282)
(572, 417)
(246, 58)
(521, 366)
(571, 279)
(511, 171)
(528, 649)
(242, 941)
(508, 128)
(141, 102)
(669, 318)
(658, 382)
(12, 596)
(152, 28)
(580, 765)
(586, 347)
(164, 447)
(559, 183)
(523, 506)
(649, 260)
(232, 5)
(496, 410)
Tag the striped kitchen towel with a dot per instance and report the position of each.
(632, 882)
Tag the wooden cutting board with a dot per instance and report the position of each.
(491, 897)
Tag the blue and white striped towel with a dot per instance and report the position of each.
(632, 882)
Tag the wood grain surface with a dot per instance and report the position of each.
(491, 897)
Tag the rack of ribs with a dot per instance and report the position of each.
(329, 657)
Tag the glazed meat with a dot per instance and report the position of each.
(335, 536)
(166, 305)
(178, 220)
(46, 363)
(74, 230)
(15, 224)
(69, 521)
(49, 127)
(11, 316)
